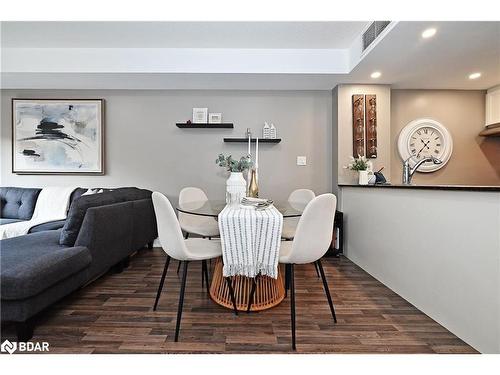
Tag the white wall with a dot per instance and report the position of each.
(344, 128)
(438, 249)
(143, 147)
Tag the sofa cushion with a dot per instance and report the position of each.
(79, 208)
(8, 221)
(17, 203)
(32, 263)
(51, 225)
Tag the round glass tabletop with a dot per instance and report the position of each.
(213, 208)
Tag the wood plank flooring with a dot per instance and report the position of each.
(114, 315)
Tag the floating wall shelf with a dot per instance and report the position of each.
(245, 140)
(184, 125)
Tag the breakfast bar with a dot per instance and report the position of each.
(436, 246)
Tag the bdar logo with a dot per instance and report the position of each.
(9, 347)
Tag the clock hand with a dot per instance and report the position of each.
(424, 146)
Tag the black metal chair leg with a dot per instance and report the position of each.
(179, 267)
(186, 236)
(204, 275)
(287, 279)
(181, 301)
(231, 294)
(327, 291)
(252, 293)
(292, 304)
(160, 287)
(316, 267)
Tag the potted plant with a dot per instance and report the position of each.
(236, 185)
(363, 167)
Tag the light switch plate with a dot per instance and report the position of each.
(301, 160)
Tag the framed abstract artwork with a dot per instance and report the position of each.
(58, 136)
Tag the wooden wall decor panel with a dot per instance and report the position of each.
(358, 126)
(371, 125)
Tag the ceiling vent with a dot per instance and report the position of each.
(373, 31)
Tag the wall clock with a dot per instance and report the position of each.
(423, 138)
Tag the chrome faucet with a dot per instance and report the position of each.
(408, 171)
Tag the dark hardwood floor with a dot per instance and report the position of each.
(114, 315)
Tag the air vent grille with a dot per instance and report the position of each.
(373, 31)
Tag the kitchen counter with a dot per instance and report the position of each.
(436, 246)
(427, 187)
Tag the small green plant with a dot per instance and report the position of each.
(234, 165)
(359, 164)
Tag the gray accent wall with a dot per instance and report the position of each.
(144, 148)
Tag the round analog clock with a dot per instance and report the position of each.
(422, 138)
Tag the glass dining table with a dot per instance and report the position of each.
(266, 291)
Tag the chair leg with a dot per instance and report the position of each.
(178, 267)
(204, 275)
(160, 287)
(316, 267)
(252, 293)
(186, 236)
(181, 301)
(327, 290)
(287, 279)
(231, 294)
(292, 304)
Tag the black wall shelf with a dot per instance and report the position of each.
(184, 125)
(245, 140)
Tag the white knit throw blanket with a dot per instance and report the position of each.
(51, 205)
(250, 241)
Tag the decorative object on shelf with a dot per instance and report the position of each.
(358, 126)
(371, 125)
(423, 138)
(215, 118)
(380, 178)
(363, 167)
(55, 136)
(236, 185)
(272, 132)
(266, 131)
(200, 115)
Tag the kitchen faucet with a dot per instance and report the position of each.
(408, 171)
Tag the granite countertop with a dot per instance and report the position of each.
(427, 187)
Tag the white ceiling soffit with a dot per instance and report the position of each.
(404, 58)
(274, 35)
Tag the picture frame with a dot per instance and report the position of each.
(215, 118)
(57, 136)
(200, 115)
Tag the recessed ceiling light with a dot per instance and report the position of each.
(376, 75)
(428, 33)
(474, 75)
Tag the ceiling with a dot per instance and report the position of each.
(181, 34)
(246, 55)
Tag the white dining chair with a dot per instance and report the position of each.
(185, 250)
(299, 197)
(312, 240)
(194, 224)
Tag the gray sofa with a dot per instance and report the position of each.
(100, 232)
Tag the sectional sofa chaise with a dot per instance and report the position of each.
(100, 232)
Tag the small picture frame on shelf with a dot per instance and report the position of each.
(200, 115)
(215, 118)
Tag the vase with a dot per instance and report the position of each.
(363, 177)
(253, 189)
(236, 187)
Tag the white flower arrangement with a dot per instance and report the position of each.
(359, 164)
